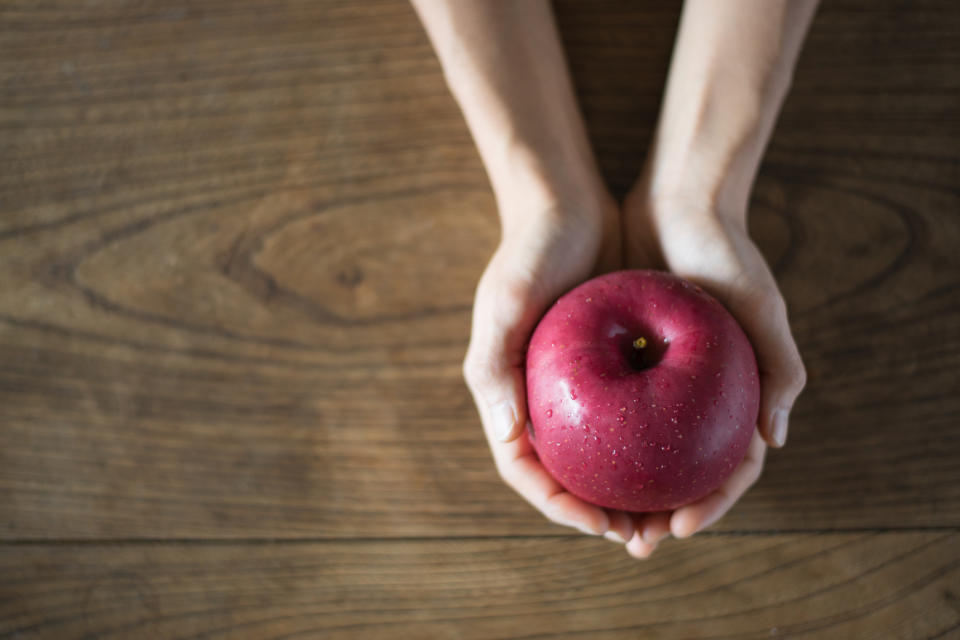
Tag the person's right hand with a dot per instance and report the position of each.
(542, 255)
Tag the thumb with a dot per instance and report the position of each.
(782, 374)
(503, 317)
(498, 392)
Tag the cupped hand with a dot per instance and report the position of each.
(542, 255)
(547, 253)
(711, 248)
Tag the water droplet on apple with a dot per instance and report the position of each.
(549, 413)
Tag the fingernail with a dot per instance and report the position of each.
(780, 426)
(613, 536)
(503, 420)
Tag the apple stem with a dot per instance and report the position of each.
(640, 343)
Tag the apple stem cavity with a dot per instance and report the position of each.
(644, 353)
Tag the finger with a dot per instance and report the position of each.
(763, 316)
(654, 527)
(638, 548)
(505, 311)
(621, 526)
(499, 392)
(701, 514)
(522, 471)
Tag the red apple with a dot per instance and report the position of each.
(642, 391)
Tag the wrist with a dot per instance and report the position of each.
(697, 184)
(711, 136)
(545, 187)
(709, 160)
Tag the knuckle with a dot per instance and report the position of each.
(514, 289)
(748, 479)
(792, 374)
(468, 373)
(506, 475)
(555, 519)
(754, 475)
(768, 301)
(798, 377)
(510, 300)
(552, 512)
(477, 370)
(504, 289)
(756, 297)
(480, 375)
(470, 369)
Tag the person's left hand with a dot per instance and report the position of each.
(710, 248)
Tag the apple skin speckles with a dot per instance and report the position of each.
(677, 408)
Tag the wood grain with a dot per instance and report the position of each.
(892, 585)
(238, 249)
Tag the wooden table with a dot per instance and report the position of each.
(238, 246)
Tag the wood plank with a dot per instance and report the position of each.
(238, 249)
(888, 585)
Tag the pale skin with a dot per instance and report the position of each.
(687, 212)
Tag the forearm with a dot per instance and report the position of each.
(504, 64)
(732, 66)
